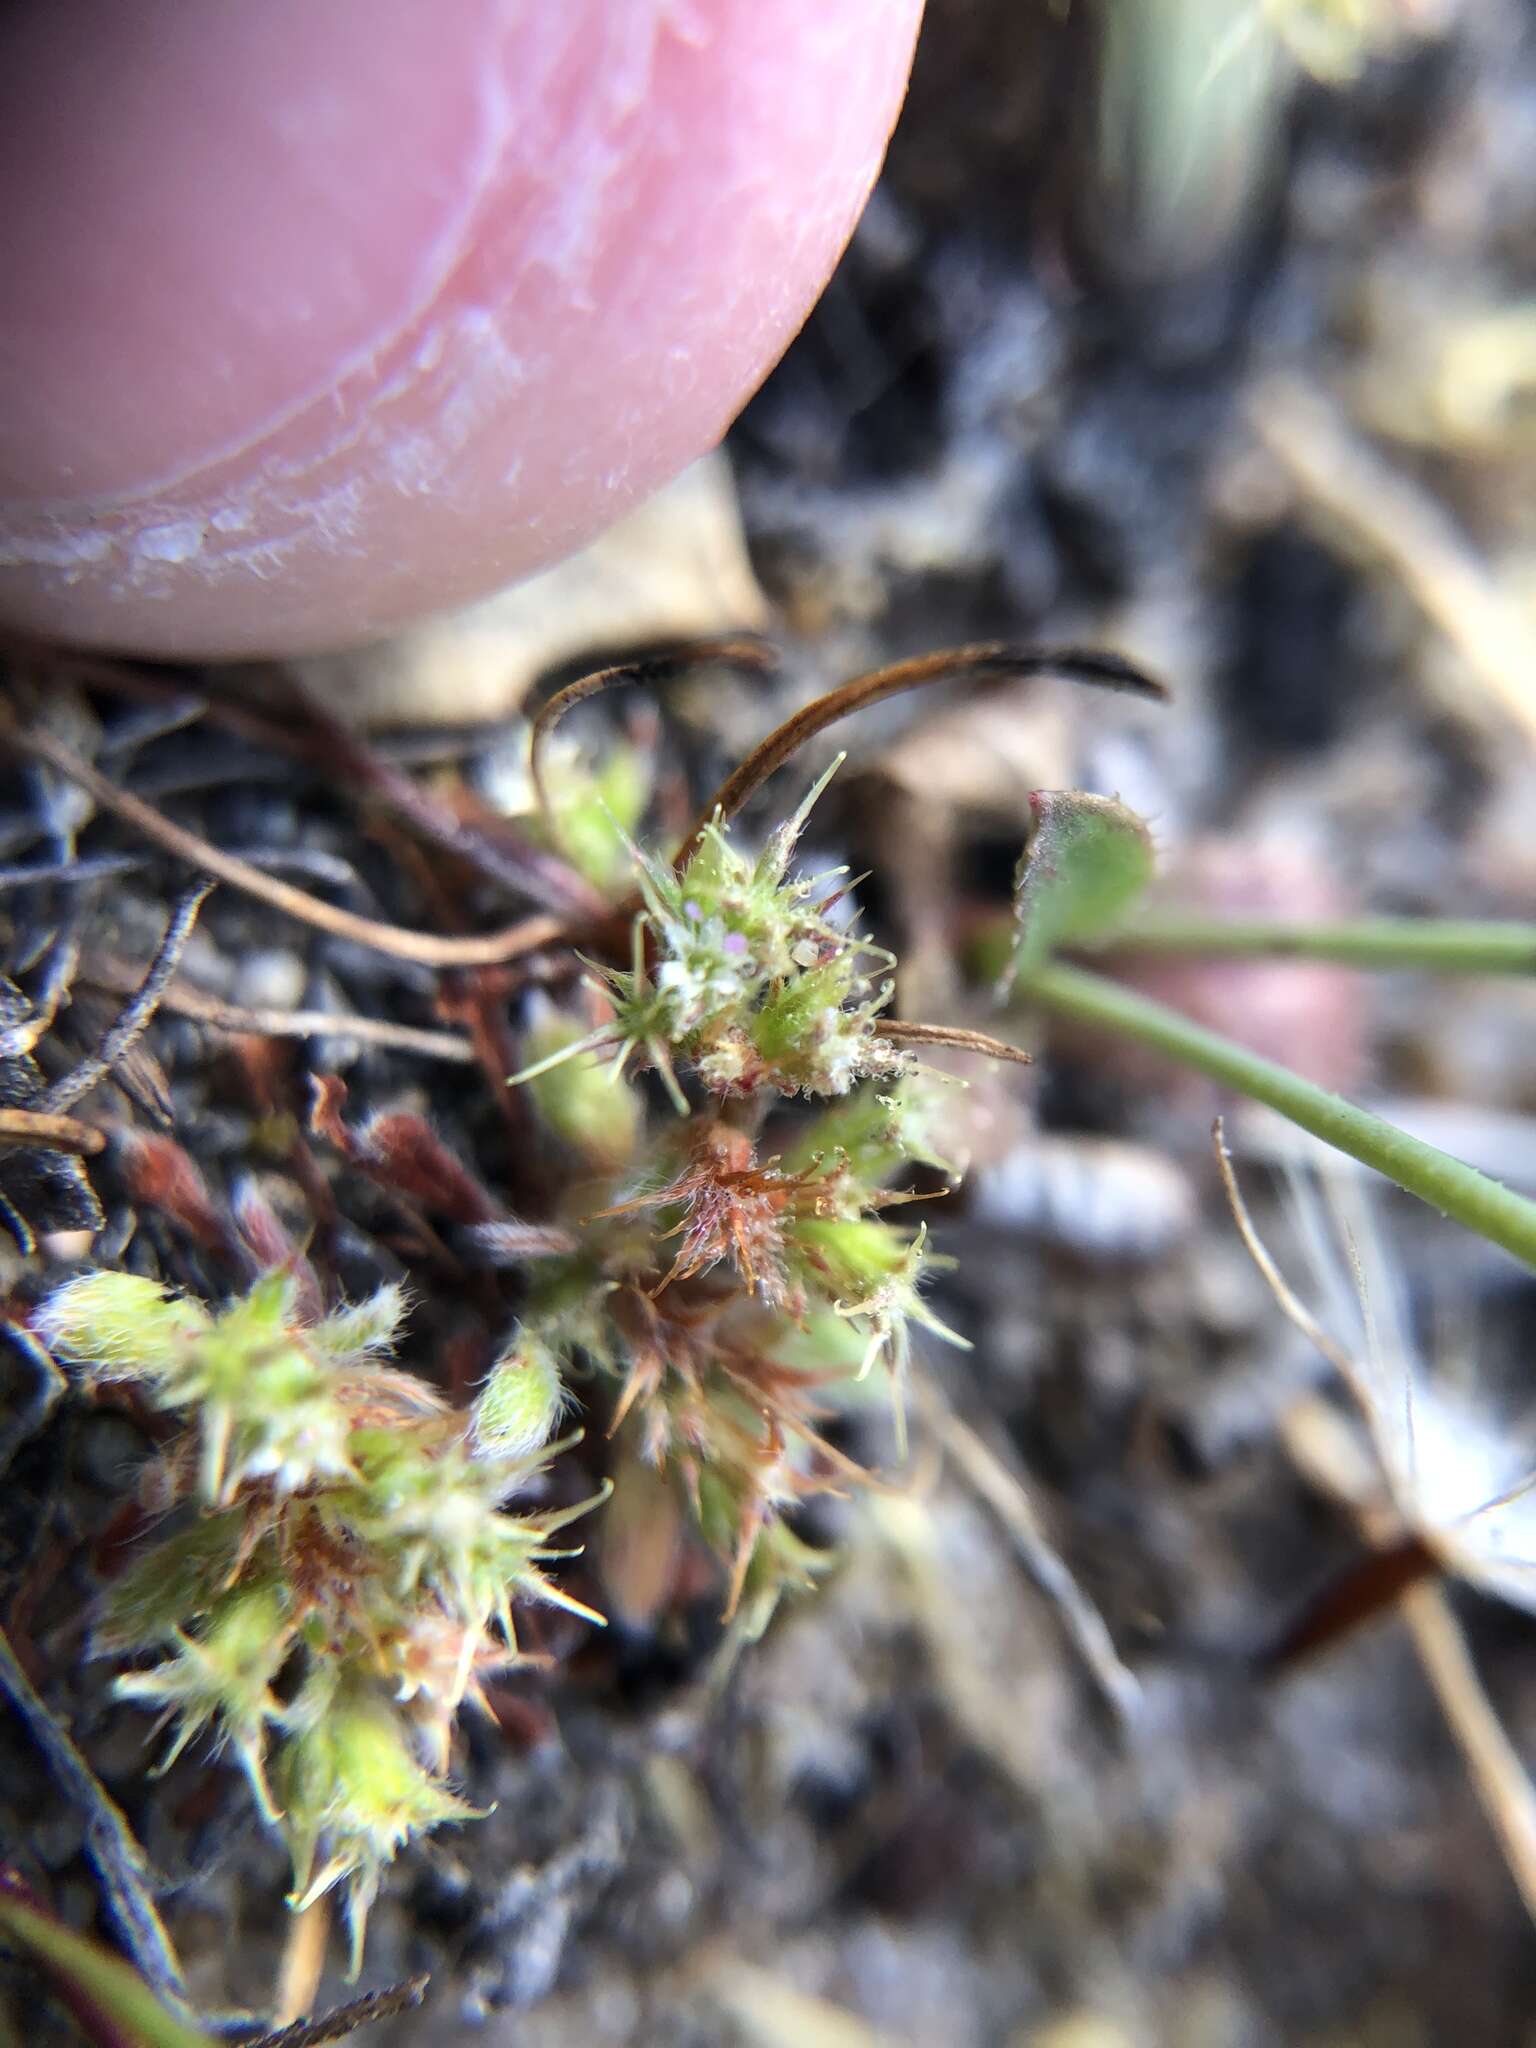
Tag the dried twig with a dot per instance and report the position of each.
(143, 685)
(1290, 1304)
(985, 1472)
(1503, 1787)
(156, 720)
(897, 1033)
(346, 2019)
(527, 869)
(179, 997)
(137, 1013)
(488, 949)
(39, 1127)
(336, 747)
(736, 652)
(1336, 1466)
(109, 1841)
(75, 872)
(986, 658)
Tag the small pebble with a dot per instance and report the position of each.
(270, 980)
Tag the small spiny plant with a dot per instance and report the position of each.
(344, 1569)
(704, 1268)
(346, 1575)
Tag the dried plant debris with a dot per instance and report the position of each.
(44, 1187)
(1451, 1494)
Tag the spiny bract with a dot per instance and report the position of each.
(344, 1569)
(724, 1286)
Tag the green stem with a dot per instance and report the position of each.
(1448, 1185)
(1442, 945)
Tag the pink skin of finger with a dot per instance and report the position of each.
(318, 318)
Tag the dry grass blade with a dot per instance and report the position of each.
(740, 652)
(896, 1033)
(428, 949)
(137, 1014)
(1335, 1465)
(1503, 1787)
(1291, 1306)
(76, 873)
(984, 1471)
(524, 868)
(106, 971)
(39, 1127)
(145, 685)
(985, 658)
